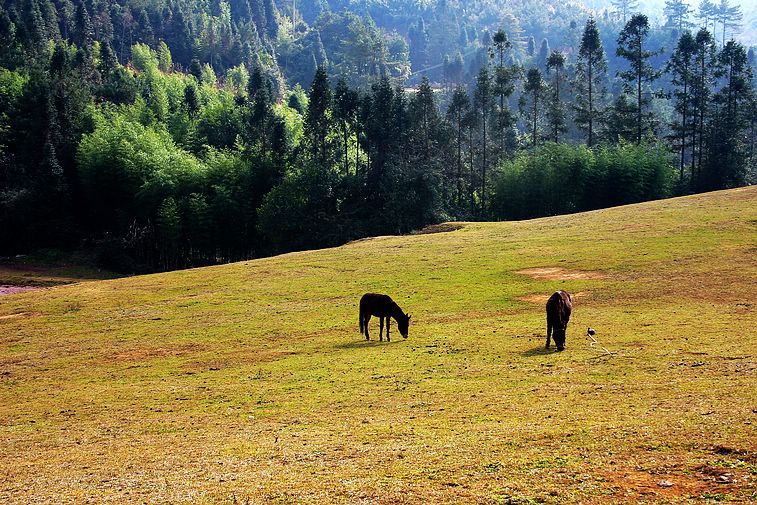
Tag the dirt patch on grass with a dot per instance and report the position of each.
(439, 228)
(559, 274)
(6, 289)
(676, 485)
(635, 482)
(20, 315)
(542, 298)
(142, 354)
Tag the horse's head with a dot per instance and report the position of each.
(403, 324)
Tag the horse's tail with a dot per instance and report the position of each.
(362, 323)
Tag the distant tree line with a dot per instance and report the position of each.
(160, 165)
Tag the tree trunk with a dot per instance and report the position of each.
(536, 98)
(683, 121)
(638, 93)
(346, 153)
(483, 167)
(557, 102)
(591, 111)
(459, 160)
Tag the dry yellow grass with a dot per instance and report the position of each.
(250, 382)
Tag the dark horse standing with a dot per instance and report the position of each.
(374, 304)
(559, 306)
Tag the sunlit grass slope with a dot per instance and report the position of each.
(250, 382)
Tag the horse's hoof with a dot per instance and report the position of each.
(560, 349)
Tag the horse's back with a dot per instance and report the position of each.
(376, 303)
(559, 307)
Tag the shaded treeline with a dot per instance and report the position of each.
(161, 169)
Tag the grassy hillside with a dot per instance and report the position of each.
(250, 382)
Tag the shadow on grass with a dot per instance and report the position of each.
(357, 344)
(539, 350)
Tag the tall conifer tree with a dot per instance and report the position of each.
(589, 83)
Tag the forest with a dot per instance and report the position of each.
(169, 134)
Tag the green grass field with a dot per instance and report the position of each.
(250, 383)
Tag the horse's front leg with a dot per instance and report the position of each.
(381, 329)
(388, 324)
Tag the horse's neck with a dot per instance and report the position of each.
(396, 311)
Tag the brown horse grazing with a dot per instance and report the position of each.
(559, 306)
(374, 304)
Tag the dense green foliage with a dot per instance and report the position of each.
(561, 178)
(174, 134)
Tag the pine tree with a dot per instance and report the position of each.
(752, 142)
(704, 81)
(483, 103)
(457, 114)
(32, 31)
(677, 13)
(681, 67)
(108, 60)
(624, 8)
(425, 121)
(503, 87)
(501, 44)
(258, 16)
(165, 61)
(707, 13)
(320, 51)
(377, 119)
(621, 120)
(280, 144)
(65, 18)
(631, 43)
(50, 17)
(179, 38)
(534, 87)
(544, 52)
(50, 181)
(271, 19)
(589, 83)
(555, 107)
(144, 28)
(729, 149)
(730, 17)
(317, 118)
(191, 101)
(241, 11)
(346, 103)
(418, 45)
(260, 103)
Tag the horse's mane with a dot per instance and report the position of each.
(397, 311)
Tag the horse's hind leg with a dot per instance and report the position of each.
(549, 332)
(381, 329)
(365, 326)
